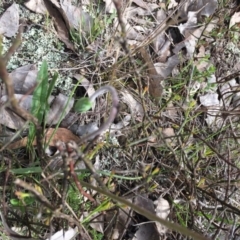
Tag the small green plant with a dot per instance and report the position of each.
(40, 104)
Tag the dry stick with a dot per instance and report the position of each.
(78, 184)
(10, 89)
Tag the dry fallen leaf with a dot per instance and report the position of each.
(60, 134)
(61, 23)
(10, 119)
(165, 69)
(9, 21)
(146, 230)
(162, 211)
(155, 79)
(234, 19)
(36, 6)
(134, 106)
(109, 6)
(64, 234)
(24, 78)
(60, 107)
(77, 18)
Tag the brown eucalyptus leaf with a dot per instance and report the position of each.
(52, 134)
(155, 79)
(61, 23)
(9, 21)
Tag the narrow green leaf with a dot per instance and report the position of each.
(26, 170)
(52, 84)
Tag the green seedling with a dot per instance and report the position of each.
(83, 105)
(41, 94)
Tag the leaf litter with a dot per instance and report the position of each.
(169, 54)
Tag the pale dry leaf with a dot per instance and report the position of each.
(186, 28)
(212, 103)
(84, 129)
(134, 106)
(162, 211)
(234, 19)
(209, 7)
(9, 21)
(170, 136)
(24, 101)
(171, 111)
(172, 4)
(60, 107)
(140, 3)
(212, 118)
(131, 33)
(109, 6)
(64, 235)
(209, 99)
(24, 78)
(203, 7)
(164, 52)
(77, 18)
(165, 69)
(36, 6)
(10, 119)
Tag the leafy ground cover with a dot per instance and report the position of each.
(166, 166)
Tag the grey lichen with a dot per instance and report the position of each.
(39, 42)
